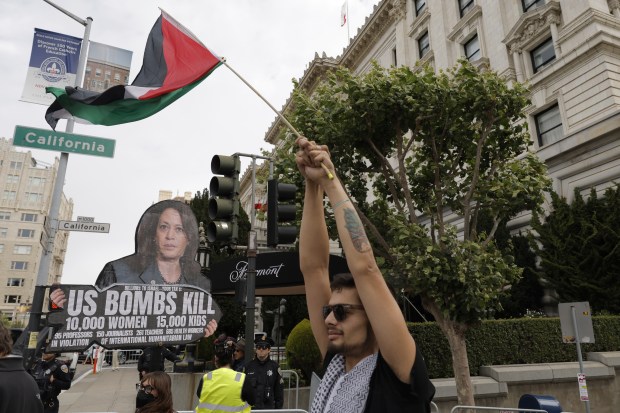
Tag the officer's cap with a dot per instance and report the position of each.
(264, 341)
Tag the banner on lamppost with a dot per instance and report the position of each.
(53, 62)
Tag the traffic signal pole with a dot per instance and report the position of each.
(252, 251)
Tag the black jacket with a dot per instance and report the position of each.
(152, 359)
(49, 389)
(265, 378)
(18, 390)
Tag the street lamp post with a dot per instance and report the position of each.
(48, 249)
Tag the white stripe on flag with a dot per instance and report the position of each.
(343, 14)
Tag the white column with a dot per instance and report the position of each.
(518, 62)
(554, 37)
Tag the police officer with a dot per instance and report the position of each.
(52, 376)
(264, 375)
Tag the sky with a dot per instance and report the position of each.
(268, 42)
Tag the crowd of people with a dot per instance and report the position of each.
(371, 361)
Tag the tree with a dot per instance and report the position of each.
(436, 149)
(579, 247)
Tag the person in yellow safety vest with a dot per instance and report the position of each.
(224, 390)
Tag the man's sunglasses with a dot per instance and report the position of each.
(147, 389)
(340, 310)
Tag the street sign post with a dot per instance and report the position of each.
(63, 141)
(83, 226)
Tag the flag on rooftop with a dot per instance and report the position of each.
(343, 14)
(175, 61)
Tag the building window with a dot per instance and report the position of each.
(549, 126)
(33, 197)
(465, 6)
(543, 54)
(12, 299)
(12, 179)
(15, 165)
(19, 265)
(531, 4)
(15, 282)
(36, 181)
(9, 195)
(394, 59)
(22, 249)
(108, 75)
(29, 217)
(5, 216)
(424, 44)
(4, 232)
(25, 233)
(420, 5)
(98, 72)
(117, 77)
(472, 49)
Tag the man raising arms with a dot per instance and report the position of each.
(374, 365)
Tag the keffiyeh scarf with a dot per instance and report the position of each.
(341, 392)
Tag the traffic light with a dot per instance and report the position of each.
(278, 213)
(224, 201)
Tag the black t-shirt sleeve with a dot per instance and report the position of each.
(247, 392)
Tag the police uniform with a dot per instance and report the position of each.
(266, 379)
(43, 372)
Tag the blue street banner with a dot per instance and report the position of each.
(53, 62)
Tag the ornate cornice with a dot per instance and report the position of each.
(381, 19)
(399, 9)
(531, 24)
(316, 71)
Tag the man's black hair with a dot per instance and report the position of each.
(342, 280)
(346, 280)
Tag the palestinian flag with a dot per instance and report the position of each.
(175, 61)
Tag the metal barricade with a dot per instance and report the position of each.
(126, 358)
(434, 408)
(497, 409)
(287, 374)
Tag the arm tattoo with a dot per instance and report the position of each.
(356, 230)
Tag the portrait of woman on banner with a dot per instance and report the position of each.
(166, 246)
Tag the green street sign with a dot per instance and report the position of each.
(63, 141)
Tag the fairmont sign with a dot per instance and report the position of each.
(63, 141)
(277, 273)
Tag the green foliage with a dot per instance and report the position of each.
(579, 247)
(430, 143)
(462, 279)
(302, 351)
(514, 341)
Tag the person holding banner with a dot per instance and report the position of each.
(372, 361)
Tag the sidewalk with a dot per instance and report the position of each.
(106, 391)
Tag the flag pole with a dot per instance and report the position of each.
(280, 115)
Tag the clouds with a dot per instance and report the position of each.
(269, 42)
